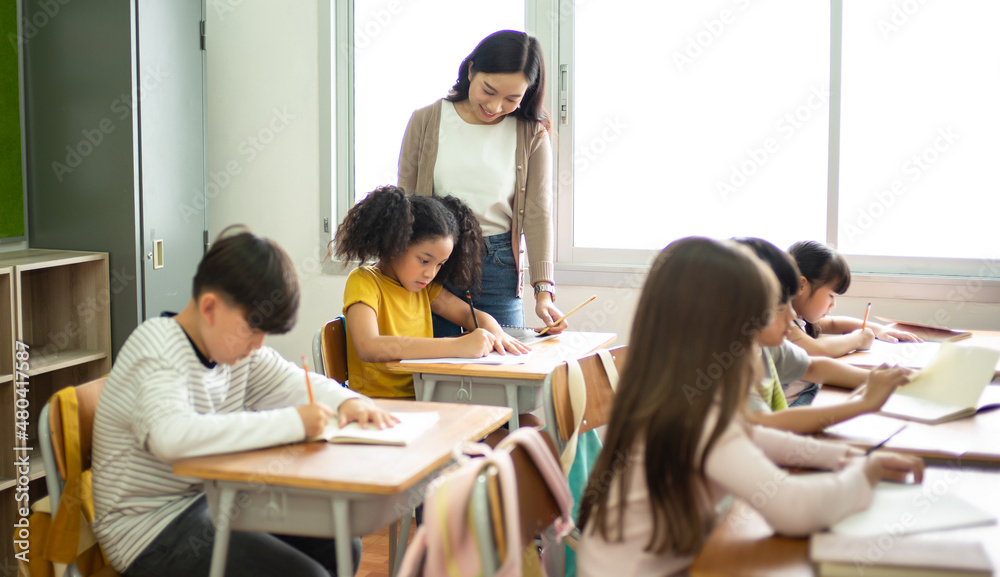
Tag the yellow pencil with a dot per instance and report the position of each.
(868, 311)
(566, 316)
(309, 386)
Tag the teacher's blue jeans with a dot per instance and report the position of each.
(498, 292)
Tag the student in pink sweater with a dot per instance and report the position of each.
(678, 443)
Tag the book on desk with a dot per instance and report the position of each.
(931, 333)
(409, 427)
(948, 388)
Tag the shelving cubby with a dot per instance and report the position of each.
(57, 303)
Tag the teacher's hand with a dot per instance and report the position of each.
(546, 310)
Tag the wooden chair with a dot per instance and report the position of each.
(52, 437)
(496, 511)
(564, 423)
(600, 396)
(330, 350)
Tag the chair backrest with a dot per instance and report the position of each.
(87, 395)
(600, 394)
(537, 504)
(333, 340)
(527, 495)
(66, 534)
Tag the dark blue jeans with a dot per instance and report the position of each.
(185, 548)
(805, 397)
(498, 294)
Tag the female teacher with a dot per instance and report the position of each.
(466, 146)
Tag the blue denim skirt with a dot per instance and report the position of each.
(498, 292)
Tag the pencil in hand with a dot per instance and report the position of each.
(873, 448)
(566, 316)
(468, 297)
(309, 386)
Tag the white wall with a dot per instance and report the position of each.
(262, 84)
(262, 58)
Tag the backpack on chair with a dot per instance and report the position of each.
(528, 493)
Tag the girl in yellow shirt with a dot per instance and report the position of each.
(417, 243)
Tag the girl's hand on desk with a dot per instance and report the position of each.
(882, 381)
(314, 417)
(505, 343)
(475, 344)
(894, 336)
(546, 310)
(365, 413)
(889, 466)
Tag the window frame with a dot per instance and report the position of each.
(552, 23)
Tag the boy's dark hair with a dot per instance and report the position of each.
(383, 225)
(254, 273)
(822, 265)
(506, 52)
(780, 262)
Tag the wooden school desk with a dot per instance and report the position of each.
(970, 440)
(743, 544)
(516, 386)
(333, 490)
(985, 339)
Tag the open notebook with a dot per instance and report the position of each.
(845, 556)
(949, 388)
(409, 427)
(493, 358)
(527, 335)
(912, 355)
(900, 509)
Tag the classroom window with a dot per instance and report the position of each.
(683, 118)
(919, 129)
(709, 126)
(406, 55)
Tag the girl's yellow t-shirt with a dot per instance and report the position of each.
(400, 313)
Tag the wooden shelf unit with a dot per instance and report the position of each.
(57, 302)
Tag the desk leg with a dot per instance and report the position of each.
(511, 391)
(392, 547)
(429, 385)
(220, 548)
(404, 537)
(342, 533)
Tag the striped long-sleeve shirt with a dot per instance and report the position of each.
(164, 401)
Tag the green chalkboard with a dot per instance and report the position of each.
(11, 177)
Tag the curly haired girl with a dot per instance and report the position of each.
(418, 243)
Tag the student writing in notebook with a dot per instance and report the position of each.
(678, 445)
(824, 274)
(202, 382)
(418, 243)
(783, 363)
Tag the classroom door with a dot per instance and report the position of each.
(169, 79)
